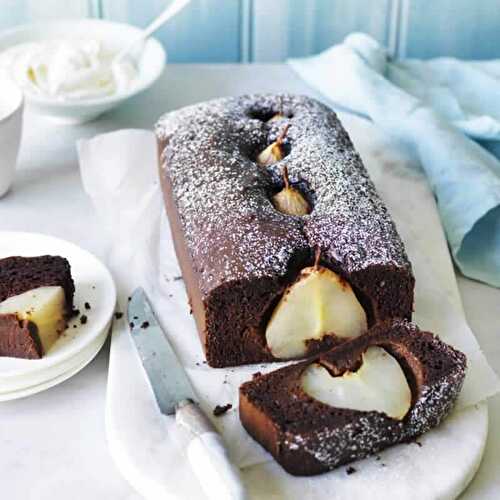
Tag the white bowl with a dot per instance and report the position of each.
(114, 37)
(11, 119)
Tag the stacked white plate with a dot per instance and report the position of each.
(82, 340)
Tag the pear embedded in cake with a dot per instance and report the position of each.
(378, 385)
(44, 308)
(274, 152)
(318, 303)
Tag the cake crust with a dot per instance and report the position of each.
(237, 252)
(309, 437)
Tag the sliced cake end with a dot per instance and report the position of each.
(385, 387)
(36, 300)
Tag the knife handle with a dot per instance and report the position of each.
(208, 457)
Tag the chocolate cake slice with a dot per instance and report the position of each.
(264, 192)
(36, 299)
(391, 385)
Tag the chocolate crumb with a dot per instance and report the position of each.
(129, 299)
(220, 410)
(118, 315)
(145, 325)
(83, 319)
(131, 325)
(350, 470)
(256, 374)
(87, 306)
(377, 458)
(75, 326)
(418, 443)
(177, 278)
(75, 312)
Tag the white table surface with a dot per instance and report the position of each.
(53, 445)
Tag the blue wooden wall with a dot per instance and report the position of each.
(272, 30)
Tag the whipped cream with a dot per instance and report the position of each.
(68, 69)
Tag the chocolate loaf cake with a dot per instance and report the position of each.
(308, 436)
(36, 299)
(266, 191)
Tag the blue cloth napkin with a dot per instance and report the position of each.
(446, 113)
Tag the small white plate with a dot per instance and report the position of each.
(93, 284)
(82, 361)
(22, 383)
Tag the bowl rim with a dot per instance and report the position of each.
(102, 101)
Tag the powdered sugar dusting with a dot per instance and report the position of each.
(231, 228)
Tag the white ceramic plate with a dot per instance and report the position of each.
(81, 361)
(23, 383)
(93, 283)
(145, 444)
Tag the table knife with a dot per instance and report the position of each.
(206, 453)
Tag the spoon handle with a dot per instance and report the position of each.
(172, 10)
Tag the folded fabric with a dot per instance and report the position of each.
(438, 109)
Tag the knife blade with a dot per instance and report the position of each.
(170, 386)
(219, 478)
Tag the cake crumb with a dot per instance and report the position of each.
(83, 319)
(350, 470)
(118, 315)
(145, 325)
(131, 325)
(256, 374)
(220, 410)
(87, 306)
(177, 278)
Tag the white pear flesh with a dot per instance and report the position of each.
(289, 201)
(270, 155)
(277, 117)
(319, 303)
(45, 307)
(378, 385)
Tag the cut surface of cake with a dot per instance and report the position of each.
(36, 300)
(255, 188)
(383, 388)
